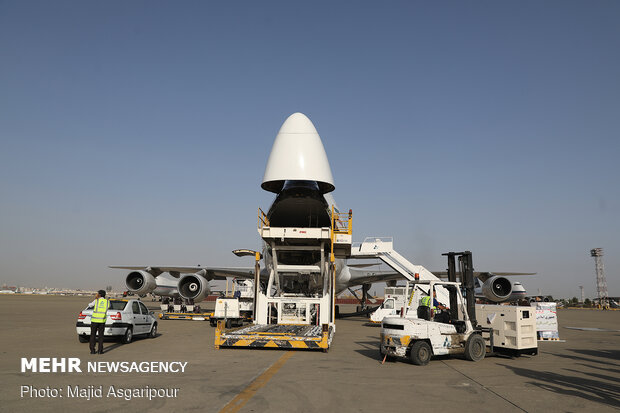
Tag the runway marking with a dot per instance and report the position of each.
(246, 394)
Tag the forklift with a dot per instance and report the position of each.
(439, 332)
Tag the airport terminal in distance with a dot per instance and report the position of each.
(278, 338)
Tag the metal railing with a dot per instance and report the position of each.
(341, 223)
(262, 219)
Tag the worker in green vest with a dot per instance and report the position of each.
(97, 320)
(426, 301)
(427, 306)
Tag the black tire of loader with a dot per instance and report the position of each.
(475, 348)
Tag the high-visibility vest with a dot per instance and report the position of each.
(99, 313)
(425, 301)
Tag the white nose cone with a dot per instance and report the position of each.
(298, 154)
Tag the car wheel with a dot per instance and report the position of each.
(153, 332)
(228, 323)
(475, 348)
(213, 322)
(128, 336)
(420, 353)
(83, 339)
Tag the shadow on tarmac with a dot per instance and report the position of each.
(614, 371)
(369, 349)
(112, 347)
(576, 386)
(584, 359)
(118, 344)
(607, 354)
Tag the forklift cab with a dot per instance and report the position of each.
(430, 312)
(456, 314)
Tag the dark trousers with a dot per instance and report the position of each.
(96, 328)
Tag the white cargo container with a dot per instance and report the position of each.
(514, 327)
(227, 309)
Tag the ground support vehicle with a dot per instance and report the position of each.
(237, 306)
(295, 309)
(180, 309)
(227, 309)
(418, 336)
(421, 338)
(125, 319)
(185, 316)
(397, 299)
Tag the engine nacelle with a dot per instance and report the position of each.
(194, 286)
(140, 282)
(497, 289)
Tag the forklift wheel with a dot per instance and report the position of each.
(475, 348)
(420, 353)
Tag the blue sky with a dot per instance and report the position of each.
(137, 132)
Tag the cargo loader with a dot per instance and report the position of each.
(295, 307)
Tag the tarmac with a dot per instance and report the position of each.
(580, 373)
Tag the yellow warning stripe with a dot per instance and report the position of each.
(242, 398)
(252, 337)
(223, 342)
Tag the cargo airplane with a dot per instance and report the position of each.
(298, 172)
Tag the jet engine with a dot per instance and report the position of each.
(194, 286)
(497, 289)
(140, 282)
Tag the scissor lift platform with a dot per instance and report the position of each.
(281, 336)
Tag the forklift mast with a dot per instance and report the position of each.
(466, 271)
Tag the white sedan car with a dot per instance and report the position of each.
(125, 318)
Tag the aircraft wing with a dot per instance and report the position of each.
(212, 273)
(367, 277)
(483, 276)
